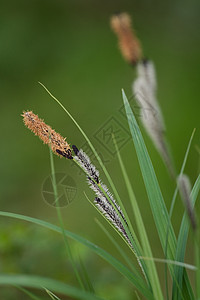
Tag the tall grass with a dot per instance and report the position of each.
(147, 282)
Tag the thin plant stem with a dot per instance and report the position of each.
(69, 253)
(172, 208)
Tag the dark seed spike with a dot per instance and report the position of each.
(76, 151)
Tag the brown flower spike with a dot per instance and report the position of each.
(57, 143)
(128, 42)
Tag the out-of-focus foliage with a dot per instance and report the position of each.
(69, 46)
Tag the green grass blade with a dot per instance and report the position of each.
(138, 282)
(176, 281)
(182, 239)
(159, 211)
(52, 295)
(40, 282)
(151, 268)
(156, 200)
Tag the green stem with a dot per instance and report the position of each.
(69, 253)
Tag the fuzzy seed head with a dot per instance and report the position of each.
(57, 143)
(128, 42)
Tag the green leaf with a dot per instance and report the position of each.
(156, 200)
(137, 281)
(41, 282)
(182, 240)
(158, 208)
(151, 272)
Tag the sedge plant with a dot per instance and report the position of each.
(111, 207)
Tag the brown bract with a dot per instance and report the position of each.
(128, 42)
(57, 143)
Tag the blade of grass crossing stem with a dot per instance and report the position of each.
(182, 239)
(40, 282)
(69, 253)
(178, 288)
(138, 282)
(157, 204)
(101, 164)
(151, 268)
(52, 295)
(117, 246)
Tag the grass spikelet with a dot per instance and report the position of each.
(128, 42)
(49, 136)
(144, 89)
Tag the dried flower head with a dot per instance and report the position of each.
(144, 90)
(57, 143)
(128, 42)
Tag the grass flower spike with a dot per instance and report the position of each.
(128, 42)
(144, 89)
(49, 136)
(104, 200)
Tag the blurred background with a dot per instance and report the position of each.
(70, 48)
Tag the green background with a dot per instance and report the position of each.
(69, 47)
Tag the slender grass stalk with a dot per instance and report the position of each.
(180, 272)
(28, 293)
(87, 282)
(52, 295)
(172, 208)
(69, 253)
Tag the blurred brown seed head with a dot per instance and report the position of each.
(57, 143)
(128, 42)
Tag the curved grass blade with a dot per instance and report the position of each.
(138, 282)
(182, 239)
(40, 282)
(156, 200)
(151, 268)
